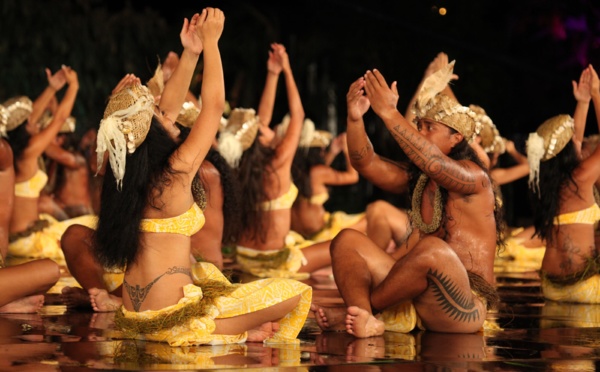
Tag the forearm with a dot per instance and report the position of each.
(596, 102)
(40, 104)
(579, 119)
(447, 172)
(267, 99)
(177, 86)
(294, 102)
(213, 86)
(360, 148)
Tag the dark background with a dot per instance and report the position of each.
(515, 58)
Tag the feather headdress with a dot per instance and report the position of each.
(437, 106)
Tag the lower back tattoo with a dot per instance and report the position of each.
(138, 295)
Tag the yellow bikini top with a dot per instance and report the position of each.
(188, 223)
(33, 186)
(587, 216)
(285, 201)
(319, 199)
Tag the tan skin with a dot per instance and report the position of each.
(76, 244)
(206, 243)
(575, 243)
(199, 35)
(308, 218)
(470, 230)
(26, 209)
(35, 277)
(279, 181)
(74, 194)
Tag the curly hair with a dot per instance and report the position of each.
(254, 165)
(555, 174)
(147, 172)
(304, 160)
(464, 151)
(18, 139)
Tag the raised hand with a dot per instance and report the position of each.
(595, 87)
(383, 98)
(56, 81)
(189, 35)
(274, 63)
(70, 75)
(127, 81)
(210, 24)
(357, 102)
(583, 90)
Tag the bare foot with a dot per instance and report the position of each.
(102, 301)
(75, 297)
(29, 304)
(263, 332)
(361, 323)
(329, 318)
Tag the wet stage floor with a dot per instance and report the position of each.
(534, 335)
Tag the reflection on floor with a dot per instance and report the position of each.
(534, 334)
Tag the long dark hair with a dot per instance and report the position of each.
(304, 160)
(555, 174)
(231, 192)
(464, 151)
(18, 138)
(147, 172)
(254, 165)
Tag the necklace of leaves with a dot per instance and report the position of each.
(417, 199)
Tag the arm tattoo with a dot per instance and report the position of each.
(426, 156)
(455, 304)
(138, 295)
(360, 154)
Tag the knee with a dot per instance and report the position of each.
(375, 208)
(433, 252)
(51, 270)
(73, 236)
(345, 240)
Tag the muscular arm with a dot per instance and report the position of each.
(463, 177)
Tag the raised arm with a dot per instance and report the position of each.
(40, 141)
(192, 151)
(178, 84)
(595, 93)
(503, 176)
(582, 94)
(56, 82)
(267, 99)
(383, 173)
(333, 177)
(462, 177)
(286, 149)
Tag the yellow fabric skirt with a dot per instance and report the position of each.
(336, 222)
(517, 257)
(258, 263)
(584, 292)
(244, 299)
(46, 243)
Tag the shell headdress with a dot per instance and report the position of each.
(13, 113)
(237, 134)
(126, 122)
(546, 142)
(491, 141)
